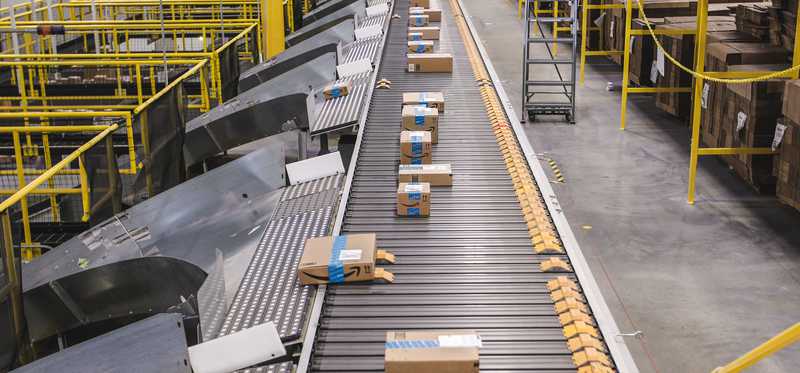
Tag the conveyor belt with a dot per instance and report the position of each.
(471, 265)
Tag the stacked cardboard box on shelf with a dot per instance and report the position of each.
(722, 57)
(782, 18)
(682, 48)
(787, 139)
(749, 116)
(753, 19)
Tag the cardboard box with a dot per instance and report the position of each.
(336, 90)
(420, 3)
(788, 164)
(421, 118)
(446, 351)
(435, 174)
(418, 20)
(749, 116)
(354, 259)
(791, 101)
(428, 32)
(721, 57)
(434, 15)
(420, 46)
(415, 147)
(429, 99)
(414, 199)
(414, 36)
(430, 62)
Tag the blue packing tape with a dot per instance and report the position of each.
(420, 48)
(393, 345)
(335, 266)
(336, 92)
(419, 116)
(416, 149)
(414, 196)
(416, 37)
(413, 211)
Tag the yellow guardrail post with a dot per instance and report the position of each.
(700, 60)
(626, 60)
(774, 344)
(20, 165)
(272, 19)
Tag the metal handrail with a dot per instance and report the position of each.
(774, 344)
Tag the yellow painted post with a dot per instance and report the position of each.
(584, 36)
(272, 19)
(626, 61)
(774, 344)
(13, 279)
(700, 60)
(84, 189)
(796, 55)
(26, 222)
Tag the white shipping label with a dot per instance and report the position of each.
(741, 119)
(653, 72)
(413, 188)
(350, 255)
(660, 61)
(470, 340)
(704, 96)
(779, 131)
(437, 167)
(611, 29)
(412, 68)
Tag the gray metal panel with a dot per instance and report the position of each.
(470, 265)
(344, 111)
(279, 105)
(283, 63)
(155, 344)
(225, 209)
(339, 30)
(270, 290)
(330, 9)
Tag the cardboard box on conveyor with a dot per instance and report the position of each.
(336, 90)
(424, 33)
(339, 259)
(434, 15)
(420, 46)
(420, 3)
(430, 62)
(418, 20)
(421, 118)
(414, 199)
(415, 147)
(422, 351)
(435, 174)
(429, 99)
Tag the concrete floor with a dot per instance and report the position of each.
(704, 283)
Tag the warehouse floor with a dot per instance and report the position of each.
(704, 283)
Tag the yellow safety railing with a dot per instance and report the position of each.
(207, 35)
(626, 58)
(774, 344)
(586, 29)
(555, 12)
(65, 167)
(35, 99)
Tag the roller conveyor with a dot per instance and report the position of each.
(471, 265)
